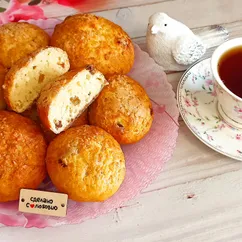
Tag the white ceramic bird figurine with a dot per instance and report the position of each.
(172, 44)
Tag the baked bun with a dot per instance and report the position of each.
(22, 155)
(63, 100)
(19, 40)
(86, 163)
(123, 109)
(3, 72)
(89, 39)
(25, 80)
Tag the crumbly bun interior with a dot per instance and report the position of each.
(62, 101)
(74, 98)
(23, 86)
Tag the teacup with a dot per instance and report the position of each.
(229, 104)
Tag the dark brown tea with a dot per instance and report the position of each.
(230, 70)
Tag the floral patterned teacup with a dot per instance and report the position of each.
(229, 105)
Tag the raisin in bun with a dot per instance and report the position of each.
(86, 163)
(123, 109)
(48, 134)
(65, 99)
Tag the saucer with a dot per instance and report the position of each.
(197, 103)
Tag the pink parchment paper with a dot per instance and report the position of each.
(144, 160)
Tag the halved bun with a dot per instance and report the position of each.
(25, 80)
(63, 100)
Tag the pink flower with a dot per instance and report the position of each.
(222, 126)
(16, 12)
(238, 109)
(239, 151)
(187, 102)
(195, 102)
(208, 83)
(209, 137)
(71, 3)
(82, 4)
(193, 79)
(239, 137)
(214, 93)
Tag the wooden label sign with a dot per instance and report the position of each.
(46, 203)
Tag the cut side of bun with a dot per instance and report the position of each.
(25, 80)
(63, 100)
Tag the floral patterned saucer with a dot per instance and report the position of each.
(198, 107)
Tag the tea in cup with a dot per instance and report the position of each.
(227, 71)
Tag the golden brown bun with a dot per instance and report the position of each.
(86, 163)
(89, 39)
(22, 155)
(3, 72)
(123, 109)
(18, 40)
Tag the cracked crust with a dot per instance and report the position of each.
(123, 109)
(22, 159)
(18, 40)
(89, 39)
(87, 163)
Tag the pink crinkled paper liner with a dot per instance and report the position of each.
(144, 160)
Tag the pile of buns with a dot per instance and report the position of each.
(66, 106)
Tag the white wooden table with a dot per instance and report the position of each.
(198, 197)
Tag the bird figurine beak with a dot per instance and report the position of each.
(155, 29)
